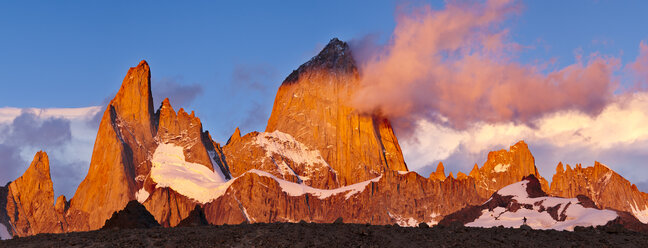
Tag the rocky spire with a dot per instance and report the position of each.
(312, 106)
(439, 174)
(30, 200)
(506, 167)
(336, 56)
(121, 153)
(235, 136)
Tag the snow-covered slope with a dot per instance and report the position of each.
(297, 189)
(511, 205)
(569, 213)
(196, 181)
(170, 169)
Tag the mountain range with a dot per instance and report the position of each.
(319, 159)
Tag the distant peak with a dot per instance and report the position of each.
(520, 144)
(235, 136)
(336, 56)
(440, 168)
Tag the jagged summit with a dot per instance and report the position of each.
(336, 56)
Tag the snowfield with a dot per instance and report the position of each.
(196, 181)
(577, 215)
(641, 215)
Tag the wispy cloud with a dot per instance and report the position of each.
(180, 95)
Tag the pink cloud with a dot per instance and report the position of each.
(458, 63)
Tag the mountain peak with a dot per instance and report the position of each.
(235, 136)
(40, 163)
(336, 56)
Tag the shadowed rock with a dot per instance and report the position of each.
(134, 215)
(196, 218)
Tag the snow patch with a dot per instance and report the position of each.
(401, 221)
(296, 189)
(4, 232)
(641, 215)
(433, 216)
(501, 167)
(577, 215)
(286, 146)
(403, 172)
(141, 195)
(516, 189)
(196, 181)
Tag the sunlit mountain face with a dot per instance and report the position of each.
(441, 123)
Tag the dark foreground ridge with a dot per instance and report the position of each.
(335, 235)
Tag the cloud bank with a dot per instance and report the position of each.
(616, 137)
(67, 135)
(459, 63)
(450, 81)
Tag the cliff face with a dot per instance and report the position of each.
(312, 106)
(282, 156)
(604, 186)
(393, 198)
(29, 202)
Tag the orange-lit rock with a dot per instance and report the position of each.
(121, 153)
(396, 197)
(506, 167)
(311, 105)
(281, 155)
(439, 174)
(29, 201)
(606, 188)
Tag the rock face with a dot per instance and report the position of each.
(281, 155)
(311, 106)
(395, 197)
(134, 215)
(604, 186)
(29, 201)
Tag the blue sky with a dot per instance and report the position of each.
(75, 54)
(233, 55)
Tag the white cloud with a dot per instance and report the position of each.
(561, 136)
